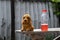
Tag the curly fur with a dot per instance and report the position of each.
(27, 23)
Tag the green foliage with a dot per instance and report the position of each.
(49, 37)
(56, 0)
(57, 13)
(56, 7)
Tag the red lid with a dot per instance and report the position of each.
(44, 10)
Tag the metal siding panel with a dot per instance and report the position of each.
(17, 19)
(17, 15)
(27, 7)
(22, 9)
(56, 21)
(51, 15)
(35, 25)
(35, 11)
(31, 12)
(8, 13)
(3, 4)
(43, 5)
(36, 15)
(48, 13)
(1, 16)
(39, 13)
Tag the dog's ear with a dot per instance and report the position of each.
(22, 20)
(30, 21)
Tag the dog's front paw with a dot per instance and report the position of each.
(27, 30)
(22, 30)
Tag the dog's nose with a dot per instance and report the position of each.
(24, 20)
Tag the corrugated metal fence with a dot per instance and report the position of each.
(5, 20)
(33, 8)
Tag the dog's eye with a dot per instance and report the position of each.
(23, 17)
(28, 18)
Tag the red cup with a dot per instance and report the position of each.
(44, 27)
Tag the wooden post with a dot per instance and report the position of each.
(12, 21)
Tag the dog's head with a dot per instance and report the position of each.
(26, 19)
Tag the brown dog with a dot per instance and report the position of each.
(27, 23)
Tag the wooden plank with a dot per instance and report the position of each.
(39, 30)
